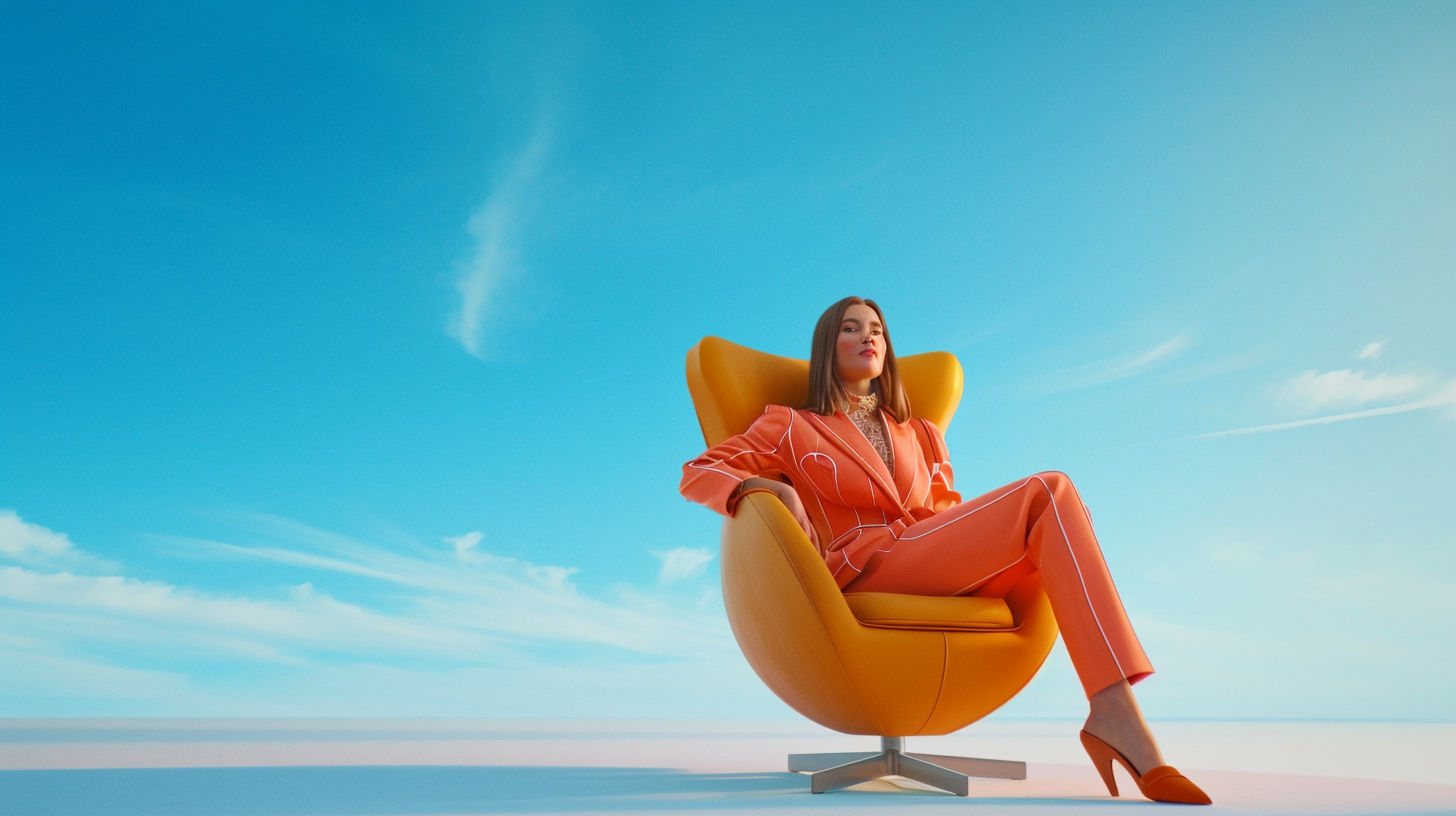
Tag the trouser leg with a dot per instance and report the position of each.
(1042, 520)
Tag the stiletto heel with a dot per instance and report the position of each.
(1160, 784)
(1101, 755)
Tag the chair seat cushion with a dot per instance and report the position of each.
(888, 610)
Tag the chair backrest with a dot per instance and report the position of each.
(732, 384)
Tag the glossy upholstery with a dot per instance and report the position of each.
(907, 665)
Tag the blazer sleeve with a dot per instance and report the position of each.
(711, 478)
(937, 457)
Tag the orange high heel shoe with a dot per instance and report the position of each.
(1161, 784)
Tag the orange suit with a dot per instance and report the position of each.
(909, 532)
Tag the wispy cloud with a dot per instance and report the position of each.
(1315, 391)
(1371, 350)
(77, 609)
(465, 543)
(452, 605)
(1445, 397)
(1123, 367)
(1219, 367)
(466, 590)
(32, 544)
(682, 563)
(466, 546)
(21, 540)
(495, 228)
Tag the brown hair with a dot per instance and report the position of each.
(826, 390)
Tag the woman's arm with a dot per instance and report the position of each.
(715, 478)
(785, 493)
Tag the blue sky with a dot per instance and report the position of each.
(342, 344)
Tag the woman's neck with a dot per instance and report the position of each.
(859, 388)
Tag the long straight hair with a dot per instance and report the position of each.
(826, 389)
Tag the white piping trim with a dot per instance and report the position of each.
(868, 468)
(808, 484)
(861, 528)
(1008, 492)
(715, 470)
(1085, 594)
(1065, 540)
(833, 471)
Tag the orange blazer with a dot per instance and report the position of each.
(857, 505)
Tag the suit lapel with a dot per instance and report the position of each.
(902, 439)
(841, 432)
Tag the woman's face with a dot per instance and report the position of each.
(859, 353)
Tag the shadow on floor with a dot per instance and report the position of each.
(381, 791)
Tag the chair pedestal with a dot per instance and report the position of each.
(953, 774)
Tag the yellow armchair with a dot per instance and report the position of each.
(861, 663)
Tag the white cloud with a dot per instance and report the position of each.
(465, 545)
(495, 227)
(32, 544)
(1444, 397)
(425, 609)
(681, 563)
(1371, 350)
(516, 601)
(466, 542)
(1216, 368)
(499, 593)
(21, 540)
(1121, 368)
(121, 609)
(1315, 391)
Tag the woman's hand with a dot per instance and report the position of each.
(790, 499)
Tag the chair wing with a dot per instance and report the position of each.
(933, 381)
(732, 384)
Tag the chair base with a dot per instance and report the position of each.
(952, 774)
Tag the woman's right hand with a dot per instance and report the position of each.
(790, 499)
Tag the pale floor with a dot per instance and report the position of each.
(338, 767)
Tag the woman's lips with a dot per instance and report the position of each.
(868, 353)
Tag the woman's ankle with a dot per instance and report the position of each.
(1116, 720)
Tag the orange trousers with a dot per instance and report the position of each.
(982, 545)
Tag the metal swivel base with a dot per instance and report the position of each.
(833, 771)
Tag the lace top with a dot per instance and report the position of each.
(864, 412)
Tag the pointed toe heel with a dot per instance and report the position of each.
(1160, 784)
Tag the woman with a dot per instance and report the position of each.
(872, 487)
